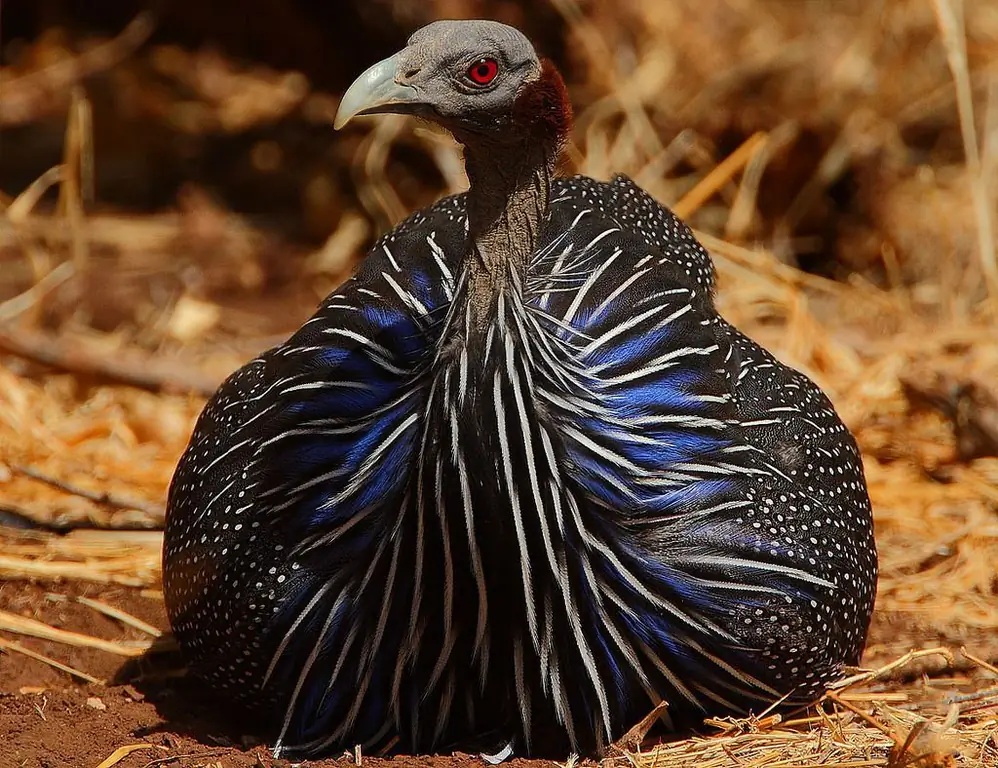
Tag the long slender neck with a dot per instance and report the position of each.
(507, 204)
(511, 189)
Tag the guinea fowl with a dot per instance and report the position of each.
(516, 479)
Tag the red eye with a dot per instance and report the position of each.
(483, 71)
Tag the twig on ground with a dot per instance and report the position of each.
(864, 716)
(67, 354)
(98, 497)
(978, 661)
(122, 752)
(635, 736)
(873, 674)
(110, 611)
(12, 647)
(22, 625)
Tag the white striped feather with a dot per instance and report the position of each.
(537, 360)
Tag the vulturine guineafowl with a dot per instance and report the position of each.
(516, 479)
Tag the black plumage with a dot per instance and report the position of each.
(516, 478)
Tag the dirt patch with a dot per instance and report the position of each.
(50, 606)
(50, 720)
(62, 727)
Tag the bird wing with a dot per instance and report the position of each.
(309, 445)
(684, 495)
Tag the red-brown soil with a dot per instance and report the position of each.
(48, 720)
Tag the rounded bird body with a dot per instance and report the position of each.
(516, 478)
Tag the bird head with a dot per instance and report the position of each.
(478, 79)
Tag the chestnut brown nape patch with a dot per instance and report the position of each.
(542, 108)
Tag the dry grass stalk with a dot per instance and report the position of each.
(133, 368)
(111, 612)
(19, 210)
(108, 557)
(99, 497)
(12, 647)
(27, 96)
(935, 516)
(870, 675)
(124, 572)
(376, 195)
(22, 625)
(77, 181)
(21, 303)
(122, 752)
(743, 210)
(719, 176)
(950, 16)
(881, 736)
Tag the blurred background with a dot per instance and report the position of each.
(174, 200)
(197, 138)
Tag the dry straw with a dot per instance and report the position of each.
(899, 357)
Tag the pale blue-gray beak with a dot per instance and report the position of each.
(377, 91)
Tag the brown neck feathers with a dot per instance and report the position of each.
(511, 185)
(543, 110)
